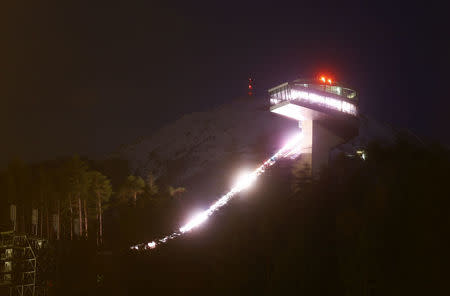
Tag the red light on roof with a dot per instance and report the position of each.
(250, 86)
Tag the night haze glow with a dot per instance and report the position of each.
(245, 180)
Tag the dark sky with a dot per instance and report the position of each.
(86, 78)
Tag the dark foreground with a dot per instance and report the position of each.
(374, 227)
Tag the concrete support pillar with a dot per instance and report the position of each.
(316, 145)
(306, 144)
(323, 141)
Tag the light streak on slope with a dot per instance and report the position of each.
(290, 149)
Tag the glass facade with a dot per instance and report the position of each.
(334, 97)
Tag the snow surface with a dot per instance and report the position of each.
(204, 141)
(208, 148)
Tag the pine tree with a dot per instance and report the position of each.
(133, 186)
(100, 186)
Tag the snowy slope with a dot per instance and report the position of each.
(202, 151)
(201, 142)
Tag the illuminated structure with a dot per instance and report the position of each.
(327, 113)
(18, 264)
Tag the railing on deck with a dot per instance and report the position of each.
(314, 96)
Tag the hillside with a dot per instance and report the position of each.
(203, 151)
(242, 131)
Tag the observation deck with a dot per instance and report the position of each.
(327, 114)
(313, 99)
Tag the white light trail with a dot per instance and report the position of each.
(195, 221)
(245, 180)
(290, 149)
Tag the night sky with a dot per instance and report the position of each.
(87, 78)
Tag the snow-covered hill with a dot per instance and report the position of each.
(202, 151)
(205, 142)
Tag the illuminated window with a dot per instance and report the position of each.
(336, 90)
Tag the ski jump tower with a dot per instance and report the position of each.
(327, 113)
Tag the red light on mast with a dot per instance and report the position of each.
(250, 87)
(325, 79)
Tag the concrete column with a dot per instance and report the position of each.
(323, 140)
(306, 144)
(316, 145)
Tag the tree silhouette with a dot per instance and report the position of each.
(151, 186)
(18, 184)
(174, 191)
(133, 186)
(78, 181)
(100, 186)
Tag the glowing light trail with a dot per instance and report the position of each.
(290, 149)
